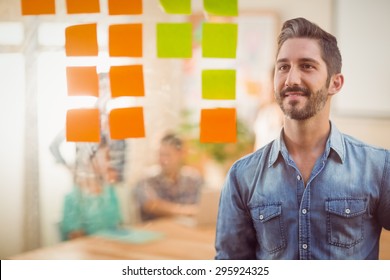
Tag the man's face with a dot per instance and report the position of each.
(300, 81)
(170, 158)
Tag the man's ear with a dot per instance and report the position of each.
(336, 83)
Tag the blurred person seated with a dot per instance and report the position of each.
(171, 188)
(92, 205)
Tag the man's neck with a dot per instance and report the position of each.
(308, 136)
(305, 142)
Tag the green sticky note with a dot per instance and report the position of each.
(219, 40)
(176, 6)
(219, 84)
(221, 7)
(174, 40)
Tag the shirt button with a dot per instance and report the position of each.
(304, 246)
(347, 211)
(304, 211)
(261, 217)
(298, 177)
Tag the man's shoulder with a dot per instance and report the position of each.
(360, 144)
(149, 175)
(255, 158)
(358, 150)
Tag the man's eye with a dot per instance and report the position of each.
(283, 67)
(307, 66)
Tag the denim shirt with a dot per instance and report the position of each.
(266, 212)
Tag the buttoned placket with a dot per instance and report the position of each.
(303, 198)
(304, 213)
(304, 224)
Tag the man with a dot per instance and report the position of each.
(171, 189)
(313, 193)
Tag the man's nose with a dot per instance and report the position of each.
(293, 78)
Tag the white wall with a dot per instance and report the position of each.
(12, 154)
(362, 108)
(364, 39)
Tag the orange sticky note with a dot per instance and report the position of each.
(82, 81)
(218, 125)
(83, 125)
(126, 123)
(38, 7)
(81, 40)
(124, 7)
(125, 40)
(82, 6)
(127, 81)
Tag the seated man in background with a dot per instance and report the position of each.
(171, 189)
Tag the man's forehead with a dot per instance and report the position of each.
(300, 48)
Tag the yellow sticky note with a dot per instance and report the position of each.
(38, 7)
(83, 125)
(126, 123)
(127, 81)
(82, 81)
(174, 40)
(176, 6)
(221, 7)
(219, 84)
(219, 40)
(81, 40)
(82, 6)
(124, 7)
(125, 40)
(218, 125)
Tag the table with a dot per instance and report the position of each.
(384, 252)
(179, 242)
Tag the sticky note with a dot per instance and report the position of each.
(82, 6)
(221, 8)
(218, 125)
(125, 40)
(81, 40)
(174, 40)
(83, 125)
(124, 7)
(38, 7)
(219, 84)
(176, 6)
(126, 123)
(219, 40)
(127, 81)
(82, 81)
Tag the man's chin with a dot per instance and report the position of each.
(298, 115)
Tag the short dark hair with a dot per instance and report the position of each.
(172, 140)
(302, 28)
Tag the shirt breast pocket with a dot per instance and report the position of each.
(267, 220)
(345, 219)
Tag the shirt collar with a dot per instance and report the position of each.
(334, 142)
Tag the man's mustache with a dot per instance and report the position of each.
(305, 91)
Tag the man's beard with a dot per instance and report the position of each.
(315, 102)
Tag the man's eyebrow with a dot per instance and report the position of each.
(311, 60)
(304, 59)
(282, 60)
